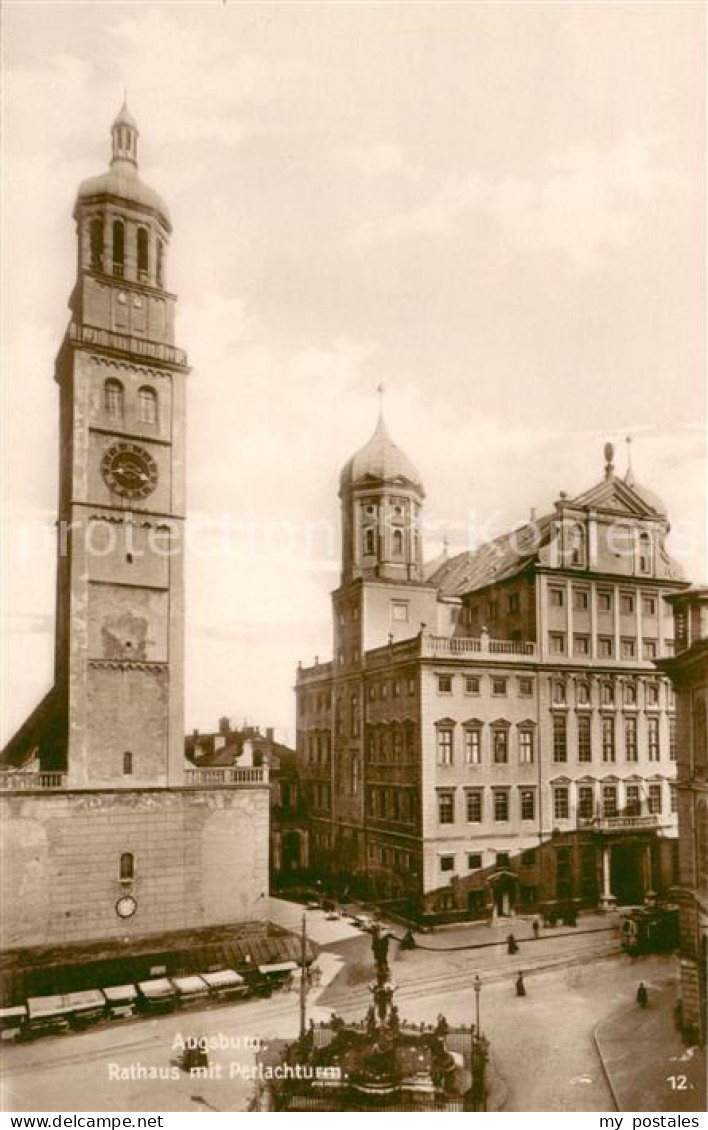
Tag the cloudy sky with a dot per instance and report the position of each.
(495, 210)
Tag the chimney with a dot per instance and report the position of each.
(195, 733)
(224, 725)
(270, 734)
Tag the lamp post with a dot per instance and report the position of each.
(477, 991)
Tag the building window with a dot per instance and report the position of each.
(399, 611)
(604, 646)
(411, 686)
(607, 694)
(499, 687)
(447, 863)
(472, 684)
(396, 688)
(118, 248)
(513, 602)
(500, 745)
(526, 751)
(584, 738)
(649, 649)
(354, 716)
(557, 597)
(604, 601)
(147, 399)
(582, 694)
(446, 806)
(355, 776)
(369, 542)
(645, 553)
(560, 738)
(609, 800)
(96, 244)
(445, 745)
(127, 763)
(473, 745)
(501, 805)
(576, 545)
(632, 802)
(581, 645)
(630, 739)
(628, 648)
(586, 802)
(654, 795)
(143, 254)
(398, 543)
(559, 693)
(444, 684)
(113, 398)
(127, 867)
(502, 858)
(653, 739)
(561, 806)
(652, 694)
(557, 643)
(608, 739)
(160, 265)
(474, 860)
(528, 804)
(525, 687)
(649, 606)
(672, 739)
(626, 603)
(581, 599)
(473, 802)
(491, 610)
(630, 694)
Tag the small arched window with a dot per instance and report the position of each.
(147, 398)
(369, 546)
(576, 545)
(118, 248)
(398, 543)
(113, 398)
(127, 867)
(127, 763)
(355, 776)
(645, 553)
(143, 252)
(96, 244)
(160, 265)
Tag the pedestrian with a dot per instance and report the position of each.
(520, 986)
(642, 995)
(536, 927)
(511, 945)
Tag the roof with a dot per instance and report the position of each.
(497, 560)
(123, 182)
(380, 460)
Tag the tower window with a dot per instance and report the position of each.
(369, 548)
(118, 248)
(96, 242)
(147, 398)
(127, 867)
(127, 763)
(143, 253)
(160, 266)
(113, 398)
(645, 554)
(398, 543)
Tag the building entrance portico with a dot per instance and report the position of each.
(627, 871)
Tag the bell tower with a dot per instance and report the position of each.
(119, 647)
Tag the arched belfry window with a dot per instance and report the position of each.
(127, 867)
(143, 253)
(127, 763)
(96, 244)
(369, 541)
(147, 398)
(645, 553)
(576, 545)
(398, 543)
(113, 398)
(160, 263)
(118, 248)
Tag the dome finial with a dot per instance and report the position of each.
(381, 389)
(629, 475)
(609, 465)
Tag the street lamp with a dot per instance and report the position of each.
(477, 991)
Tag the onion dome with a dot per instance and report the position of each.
(122, 182)
(380, 460)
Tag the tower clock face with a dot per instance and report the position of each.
(129, 470)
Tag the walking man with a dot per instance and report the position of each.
(520, 986)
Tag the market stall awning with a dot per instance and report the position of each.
(16, 1013)
(222, 979)
(88, 999)
(188, 986)
(120, 994)
(278, 967)
(156, 989)
(40, 1007)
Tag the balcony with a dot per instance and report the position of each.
(227, 775)
(434, 646)
(126, 343)
(30, 782)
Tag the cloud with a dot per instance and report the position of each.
(372, 160)
(589, 200)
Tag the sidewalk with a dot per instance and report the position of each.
(642, 1053)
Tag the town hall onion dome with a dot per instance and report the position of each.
(380, 460)
(122, 182)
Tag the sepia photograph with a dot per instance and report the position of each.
(354, 602)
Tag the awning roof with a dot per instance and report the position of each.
(10, 1013)
(222, 978)
(47, 1006)
(160, 987)
(120, 993)
(190, 984)
(89, 998)
(279, 967)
